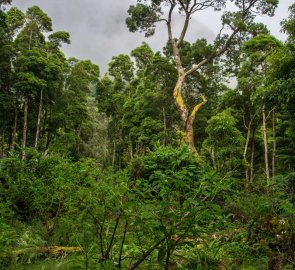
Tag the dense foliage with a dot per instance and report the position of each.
(157, 164)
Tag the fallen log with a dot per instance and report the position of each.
(53, 250)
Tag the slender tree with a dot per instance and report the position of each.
(30, 41)
(258, 50)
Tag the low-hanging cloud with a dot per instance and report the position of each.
(98, 30)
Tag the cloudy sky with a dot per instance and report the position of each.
(98, 31)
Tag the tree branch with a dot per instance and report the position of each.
(146, 254)
(197, 108)
(107, 253)
(184, 29)
(169, 21)
(195, 67)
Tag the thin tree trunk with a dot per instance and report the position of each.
(130, 149)
(48, 140)
(25, 128)
(274, 142)
(168, 256)
(119, 163)
(2, 145)
(25, 125)
(265, 145)
(30, 40)
(47, 129)
(165, 127)
(108, 251)
(146, 254)
(122, 244)
(39, 119)
(246, 149)
(114, 154)
(14, 128)
(213, 158)
(78, 133)
(252, 156)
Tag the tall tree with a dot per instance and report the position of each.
(6, 102)
(145, 14)
(29, 42)
(11, 22)
(81, 80)
(53, 72)
(280, 92)
(258, 51)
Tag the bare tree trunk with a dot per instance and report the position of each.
(107, 253)
(30, 40)
(14, 128)
(130, 149)
(187, 119)
(213, 158)
(246, 148)
(2, 145)
(78, 133)
(114, 154)
(189, 136)
(165, 127)
(39, 119)
(122, 244)
(48, 140)
(25, 125)
(265, 145)
(252, 156)
(168, 255)
(25, 128)
(274, 142)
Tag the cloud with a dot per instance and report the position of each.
(98, 29)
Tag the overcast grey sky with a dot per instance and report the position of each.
(98, 30)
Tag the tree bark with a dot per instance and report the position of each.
(25, 128)
(189, 130)
(246, 149)
(39, 119)
(2, 145)
(168, 255)
(264, 126)
(14, 128)
(49, 251)
(106, 255)
(165, 127)
(213, 158)
(187, 119)
(25, 125)
(114, 154)
(188, 8)
(274, 146)
(78, 133)
(122, 244)
(130, 149)
(252, 156)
